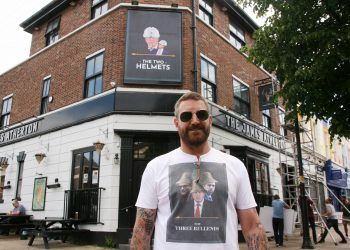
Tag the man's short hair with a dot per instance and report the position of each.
(151, 32)
(276, 197)
(189, 96)
(14, 201)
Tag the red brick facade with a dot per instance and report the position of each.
(65, 60)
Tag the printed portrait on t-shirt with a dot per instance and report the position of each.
(198, 202)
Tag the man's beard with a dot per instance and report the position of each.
(195, 135)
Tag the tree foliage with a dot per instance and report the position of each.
(307, 45)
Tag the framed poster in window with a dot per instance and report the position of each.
(39, 194)
(153, 51)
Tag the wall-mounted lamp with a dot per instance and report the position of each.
(8, 185)
(116, 158)
(279, 171)
(55, 185)
(3, 163)
(174, 5)
(98, 146)
(39, 157)
(134, 2)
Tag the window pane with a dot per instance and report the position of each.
(207, 91)
(98, 85)
(90, 67)
(211, 73)
(204, 68)
(44, 105)
(245, 93)
(91, 87)
(99, 64)
(76, 171)
(86, 167)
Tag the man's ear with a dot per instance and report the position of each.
(176, 122)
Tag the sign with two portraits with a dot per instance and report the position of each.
(153, 53)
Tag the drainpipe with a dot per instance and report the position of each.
(194, 45)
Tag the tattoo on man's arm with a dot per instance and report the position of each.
(256, 239)
(143, 228)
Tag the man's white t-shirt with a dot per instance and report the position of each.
(176, 227)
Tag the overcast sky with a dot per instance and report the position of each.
(14, 42)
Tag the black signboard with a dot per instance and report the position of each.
(153, 47)
(265, 97)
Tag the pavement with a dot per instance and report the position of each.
(291, 242)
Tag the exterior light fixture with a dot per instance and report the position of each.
(116, 158)
(3, 166)
(98, 146)
(39, 157)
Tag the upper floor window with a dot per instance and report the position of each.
(241, 100)
(45, 96)
(208, 80)
(281, 116)
(236, 36)
(93, 75)
(98, 8)
(52, 31)
(266, 118)
(6, 110)
(206, 11)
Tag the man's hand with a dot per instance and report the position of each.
(252, 229)
(144, 225)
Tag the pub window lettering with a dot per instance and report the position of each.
(45, 96)
(241, 100)
(206, 11)
(6, 111)
(52, 31)
(93, 75)
(98, 8)
(236, 36)
(208, 80)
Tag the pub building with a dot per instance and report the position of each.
(93, 104)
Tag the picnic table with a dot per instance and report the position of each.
(53, 228)
(15, 221)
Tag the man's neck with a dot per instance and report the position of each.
(198, 151)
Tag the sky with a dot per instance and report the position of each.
(15, 42)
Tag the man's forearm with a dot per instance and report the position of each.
(256, 238)
(143, 229)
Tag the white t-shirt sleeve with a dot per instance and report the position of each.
(245, 198)
(148, 193)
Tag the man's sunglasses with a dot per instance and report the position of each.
(202, 115)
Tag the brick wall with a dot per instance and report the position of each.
(65, 60)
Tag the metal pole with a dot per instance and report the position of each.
(303, 206)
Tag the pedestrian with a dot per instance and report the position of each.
(332, 221)
(18, 209)
(277, 219)
(346, 214)
(310, 216)
(233, 195)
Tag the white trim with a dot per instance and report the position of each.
(241, 81)
(46, 77)
(118, 6)
(208, 59)
(8, 96)
(95, 53)
(180, 91)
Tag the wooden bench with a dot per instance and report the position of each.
(51, 233)
(16, 223)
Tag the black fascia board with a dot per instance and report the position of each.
(44, 14)
(238, 12)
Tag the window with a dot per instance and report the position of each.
(6, 110)
(236, 36)
(262, 178)
(208, 80)
(206, 11)
(241, 103)
(282, 115)
(45, 96)
(2, 184)
(99, 7)
(52, 31)
(86, 168)
(93, 75)
(20, 160)
(266, 118)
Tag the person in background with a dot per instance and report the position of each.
(18, 209)
(310, 216)
(332, 221)
(277, 219)
(346, 214)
